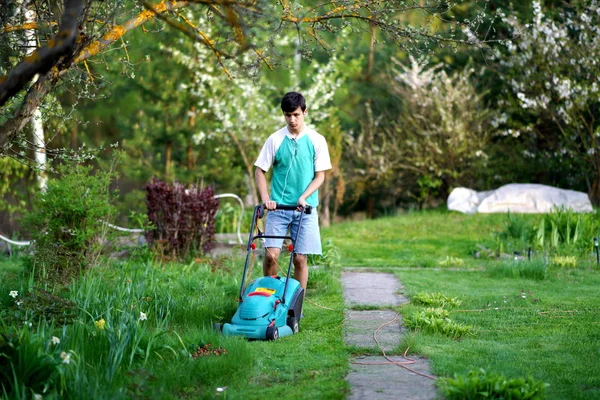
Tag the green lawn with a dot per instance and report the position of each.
(412, 240)
(551, 334)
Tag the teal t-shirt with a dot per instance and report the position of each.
(293, 170)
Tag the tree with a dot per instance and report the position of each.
(553, 90)
(80, 30)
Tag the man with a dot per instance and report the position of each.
(299, 157)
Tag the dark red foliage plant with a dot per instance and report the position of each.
(183, 218)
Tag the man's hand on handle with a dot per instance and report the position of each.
(270, 205)
(301, 203)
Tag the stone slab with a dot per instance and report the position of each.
(371, 289)
(359, 328)
(382, 380)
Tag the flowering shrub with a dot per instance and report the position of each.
(551, 73)
(183, 219)
(444, 129)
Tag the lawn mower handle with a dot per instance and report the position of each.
(307, 209)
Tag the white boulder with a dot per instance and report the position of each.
(518, 198)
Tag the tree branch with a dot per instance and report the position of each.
(44, 58)
(118, 31)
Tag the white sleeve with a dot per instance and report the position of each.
(266, 156)
(322, 160)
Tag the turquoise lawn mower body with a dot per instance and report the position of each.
(269, 307)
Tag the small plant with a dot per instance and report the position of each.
(436, 320)
(435, 300)
(331, 256)
(480, 384)
(451, 261)
(564, 261)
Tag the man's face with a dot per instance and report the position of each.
(295, 120)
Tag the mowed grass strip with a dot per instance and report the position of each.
(531, 318)
(414, 239)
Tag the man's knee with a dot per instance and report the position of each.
(300, 260)
(271, 255)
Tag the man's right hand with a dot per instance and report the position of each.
(270, 205)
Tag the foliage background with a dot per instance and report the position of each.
(475, 119)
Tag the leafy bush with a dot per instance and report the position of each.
(67, 222)
(435, 300)
(436, 320)
(486, 385)
(183, 219)
(39, 305)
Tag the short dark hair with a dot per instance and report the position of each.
(291, 101)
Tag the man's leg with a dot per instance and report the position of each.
(270, 261)
(301, 270)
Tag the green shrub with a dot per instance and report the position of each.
(486, 385)
(40, 305)
(68, 223)
(183, 220)
(435, 300)
(436, 320)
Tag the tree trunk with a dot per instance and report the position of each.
(370, 207)
(168, 151)
(325, 215)
(73, 136)
(249, 167)
(594, 193)
(39, 142)
(191, 162)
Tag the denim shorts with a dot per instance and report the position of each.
(279, 222)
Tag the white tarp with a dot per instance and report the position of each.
(518, 198)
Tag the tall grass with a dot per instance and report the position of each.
(562, 231)
(139, 330)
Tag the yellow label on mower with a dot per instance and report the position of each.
(265, 290)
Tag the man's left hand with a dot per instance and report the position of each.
(301, 203)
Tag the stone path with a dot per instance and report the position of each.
(375, 377)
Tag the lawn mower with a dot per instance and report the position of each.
(269, 307)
